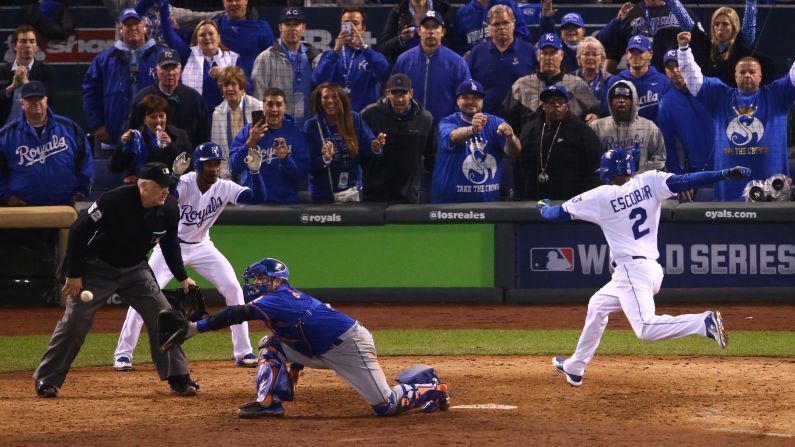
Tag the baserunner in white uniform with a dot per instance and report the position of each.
(628, 211)
(201, 196)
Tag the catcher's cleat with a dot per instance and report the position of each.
(557, 363)
(247, 361)
(182, 386)
(253, 410)
(44, 390)
(715, 329)
(122, 364)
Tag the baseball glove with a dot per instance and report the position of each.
(191, 304)
(172, 328)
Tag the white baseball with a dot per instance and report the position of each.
(86, 296)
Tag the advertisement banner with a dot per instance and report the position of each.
(692, 255)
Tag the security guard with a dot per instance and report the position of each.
(106, 254)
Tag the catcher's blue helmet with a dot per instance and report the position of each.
(205, 152)
(270, 267)
(613, 163)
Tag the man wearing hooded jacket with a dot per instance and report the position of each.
(624, 129)
(400, 174)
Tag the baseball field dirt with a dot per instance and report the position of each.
(511, 400)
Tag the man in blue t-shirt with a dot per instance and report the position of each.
(749, 122)
(470, 150)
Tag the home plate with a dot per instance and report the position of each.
(486, 407)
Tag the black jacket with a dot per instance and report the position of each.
(186, 110)
(38, 72)
(399, 18)
(701, 45)
(571, 167)
(410, 149)
(125, 163)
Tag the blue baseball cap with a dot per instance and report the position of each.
(670, 55)
(549, 40)
(470, 86)
(129, 13)
(33, 89)
(572, 18)
(291, 13)
(432, 15)
(554, 90)
(639, 42)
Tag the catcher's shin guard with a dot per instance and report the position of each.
(273, 379)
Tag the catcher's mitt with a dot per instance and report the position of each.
(172, 328)
(191, 304)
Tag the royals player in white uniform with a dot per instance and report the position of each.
(202, 196)
(628, 211)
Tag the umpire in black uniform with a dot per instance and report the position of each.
(106, 254)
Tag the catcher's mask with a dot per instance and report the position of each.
(613, 163)
(268, 268)
(206, 152)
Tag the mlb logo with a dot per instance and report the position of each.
(552, 259)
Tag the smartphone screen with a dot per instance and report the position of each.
(257, 116)
(346, 27)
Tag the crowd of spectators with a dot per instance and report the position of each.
(452, 105)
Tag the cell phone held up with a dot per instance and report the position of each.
(347, 27)
(257, 116)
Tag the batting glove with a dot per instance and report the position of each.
(736, 173)
(253, 160)
(181, 164)
(541, 204)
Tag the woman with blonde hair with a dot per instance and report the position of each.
(203, 59)
(728, 41)
(338, 138)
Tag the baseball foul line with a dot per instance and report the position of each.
(485, 407)
(752, 432)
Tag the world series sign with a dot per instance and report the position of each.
(692, 255)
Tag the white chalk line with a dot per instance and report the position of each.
(485, 407)
(753, 432)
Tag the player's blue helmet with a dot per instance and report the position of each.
(270, 267)
(613, 163)
(206, 152)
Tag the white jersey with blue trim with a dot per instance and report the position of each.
(629, 215)
(199, 211)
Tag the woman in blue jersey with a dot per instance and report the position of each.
(338, 139)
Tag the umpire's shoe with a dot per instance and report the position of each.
(182, 386)
(44, 390)
(557, 363)
(715, 329)
(254, 410)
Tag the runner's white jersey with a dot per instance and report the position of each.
(629, 215)
(199, 211)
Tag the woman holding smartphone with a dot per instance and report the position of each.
(338, 139)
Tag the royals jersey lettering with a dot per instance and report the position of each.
(198, 211)
(629, 215)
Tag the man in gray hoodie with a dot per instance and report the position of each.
(624, 129)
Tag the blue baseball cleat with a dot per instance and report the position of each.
(254, 410)
(715, 329)
(557, 363)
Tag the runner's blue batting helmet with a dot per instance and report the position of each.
(272, 268)
(206, 152)
(613, 163)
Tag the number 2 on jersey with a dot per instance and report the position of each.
(640, 214)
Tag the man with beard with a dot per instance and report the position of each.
(471, 146)
(624, 129)
(401, 174)
(560, 153)
(685, 124)
(750, 123)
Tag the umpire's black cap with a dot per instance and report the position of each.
(157, 172)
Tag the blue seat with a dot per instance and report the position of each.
(104, 179)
